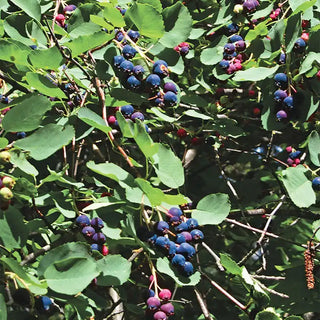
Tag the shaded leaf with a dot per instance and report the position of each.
(314, 148)
(93, 119)
(255, 74)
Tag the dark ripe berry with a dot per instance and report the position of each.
(197, 234)
(279, 95)
(178, 260)
(295, 154)
(168, 309)
(133, 83)
(224, 64)
(170, 99)
(153, 303)
(192, 223)
(127, 110)
(229, 48)
(119, 36)
(281, 80)
(165, 294)
(153, 81)
(99, 238)
(97, 223)
(126, 66)
(22, 296)
(316, 184)
(172, 248)
(69, 8)
(175, 212)
(88, 231)
(83, 221)
(250, 5)
(151, 293)
(133, 35)
(232, 28)
(187, 268)
(186, 235)
(240, 46)
(138, 71)
(21, 135)
(160, 68)
(117, 60)
(282, 58)
(152, 239)
(128, 52)
(182, 227)
(170, 86)
(162, 242)
(174, 220)
(299, 45)
(187, 250)
(235, 38)
(46, 302)
(180, 238)
(281, 115)
(162, 227)
(288, 102)
(137, 115)
(95, 246)
(184, 50)
(160, 315)
(104, 250)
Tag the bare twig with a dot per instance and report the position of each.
(203, 305)
(32, 256)
(214, 255)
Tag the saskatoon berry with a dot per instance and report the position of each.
(229, 48)
(299, 45)
(168, 309)
(282, 58)
(127, 110)
(250, 5)
(88, 231)
(178, 260)
(133, 83)
(181, 133)
(126, 66)
(170, 99)
(83, 221)
(95, 246)
(117, 60)
(21, 135)
(60, 19)
(112, 120)
(187, 268)
(240, 46)
(162, 227)
(186, 235)
(137, 115)
(187, 250)
(182, 227)
(279, 95)
(180, 238)
(97, 223)
(281, 80)
(184, 50)
(46, 302)
(153, 81)
(69, 8)
(165, 294)
(316, 184)
(235, 38)
(133, 35)
(159, 315)
(295, 154)
(197, 234)
(138, 71)
(288, 102)
(281, 115)
(104, 250)
(160, 68)
(175, 212)
(99, 238)
(162, 242)
(172, 248)
(224, 64)
(232, 28)
(153, 303)
(170, 86)
(128, 52)
(192, 223)
(151, 293)
(8, 182)
(119, 36)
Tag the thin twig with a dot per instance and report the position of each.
(214, 255)
(32, 256)
(203, 305)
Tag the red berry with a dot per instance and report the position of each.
(289, 149)
(318, 75)
(60, 18)
(104, 250)
(297, 161)
(251, 93)
(256, 111)
(305, 36)
(112, 120)
(165, 294)
(305, 24)
(181, 133)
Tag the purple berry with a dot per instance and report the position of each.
(182, 227)
(162, 242)
(281, 115)
(69, 8)
(186, 235)
(153, 303)
(282, 58)
(151, 293)
(99, 238)
(137, 115)
(159, 315)
(250, 5)
(165, 294)
(83, 221)
(240, 46)
(168, 309)
(46, 302)
(97, 223)
(119, 36)
(232, 28)
(279, 95)
(170, 86)
(181, 238)
(229, 48)
(184, 50)
(95, 246)
(88, 232)
(172, 248)
(299, 45)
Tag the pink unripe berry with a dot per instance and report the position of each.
(153, 303)
(318, 75)
(165, 294)
(112, 120)
(289, 149)
(290, 162)
(305, 36)
(60, 18)
(297, 161)
(159, 315)
(104, 250)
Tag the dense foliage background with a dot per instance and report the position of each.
(220, 147)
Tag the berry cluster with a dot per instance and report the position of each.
(61, 18)
(293, 156)
(159, 307)
(246, 6)
(6, 186)
(182, 48)
(91, 229)
(233, 54)
(180, 250)
(275, 13)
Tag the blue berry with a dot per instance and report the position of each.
(192, 223)
(172, 249)
(88, 232)
(137, 115)
(99, 238)
(170, 86)
(187, 250)
(21, 135)
(279, 95)
(184, 50)
(162, 226)
(46, 302)
(95, 247)
(33, 47)
(235, 38)
(126, 66)
(127, 110)
(128, 52)
(232, 28)
(180, 238)
(197, 234)
(282, 58)
(288, 102)
(133, 83)
(316, 184)
(182, 227)
(281, 115)
(69, 8)
(170, 99)
(162, 242)
(97, 223)
(299, 45)
(151, 293)
(117, 60)
(175, 212)
(178, 260)
(119, 36)
(160, 68)
(281, 80)
(295, 154)
(138, 71)
(83, 221)
(187, 268)
(134, 35)
(153, 81)
(224, 64)
(229, 48)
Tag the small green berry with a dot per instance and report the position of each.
(6, 193)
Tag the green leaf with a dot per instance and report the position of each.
(154, 3)
(298, 4)
(113, 15)
(178, 25)
(298, 186)
(14, 52)
(255, 74)
(87, 42)
(44, 85)
(92, 119)
(292, 31)
(266, 315)
(162, 115)
(126, 127)
(259, 30)
(168, 167)
(314, 147)
(47, 59)
(212, 55)
(115, 270)
(230, 265)
(164, 266)
(14, 233)
(155, 195)
(147, 19)
(18, 159)
(308, 61)
(294, 318)
(3, 308)
(3, 142)
(212, 209)
(27, 114)
(37, 143)
(31, 7)
(196, 114)
(33, 284)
